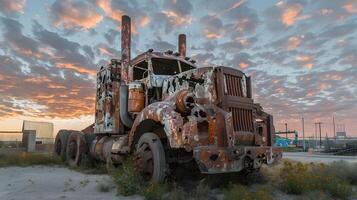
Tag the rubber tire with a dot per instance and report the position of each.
(60, 149)
(157, 149)
(81, 148)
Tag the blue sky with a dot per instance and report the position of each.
(301, 53)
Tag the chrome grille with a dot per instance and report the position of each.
(233, 85)
(242, 119)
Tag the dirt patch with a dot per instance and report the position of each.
(40, 182)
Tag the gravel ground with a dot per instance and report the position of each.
(38, 182)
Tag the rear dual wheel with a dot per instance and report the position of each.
(60, 145)
(76, 148)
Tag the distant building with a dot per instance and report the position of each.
(341, 134)
(44, 132)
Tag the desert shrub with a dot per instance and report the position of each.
(28, 159)
(263, 193)
(244, 193)
(339, 188)
(345, 170)
(154, 191)
(294, 177)
(299, 178)
(237, 192)
(332, 179)
(128, 180)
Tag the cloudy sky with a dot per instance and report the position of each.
(301, 54)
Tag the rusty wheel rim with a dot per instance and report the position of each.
(73, 149)
(144, 162)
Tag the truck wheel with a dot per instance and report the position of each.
(76, 148)
(149, 158)
(61, 144)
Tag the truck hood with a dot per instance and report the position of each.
(200, 82)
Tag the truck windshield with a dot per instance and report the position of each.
(165, 66)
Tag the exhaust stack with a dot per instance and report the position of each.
(126, 72)
(182, 45)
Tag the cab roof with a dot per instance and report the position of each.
(164, 55)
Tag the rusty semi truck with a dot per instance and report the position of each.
(162, 109)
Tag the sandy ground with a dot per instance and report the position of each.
(308, 157)
(38, 182)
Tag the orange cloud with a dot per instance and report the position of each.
(308, 65)
(116, 14)
(310, 94)
(55, 86)
(105, 5)
(106, 52)
(334, 77)
(14, 5)
(324, 86)
(306, 61)
(303, 58)
(38, 80)
(242, 41)
(25, 51)
(291, 14)
(45, 96)
(280, 90)
(210, 35)
(350, 8)
(69, 16)
(144, 21)
(243, 65)
(234, 6)
(177, 19)
(75, 68)
(294, 42)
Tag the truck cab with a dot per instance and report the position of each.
(162, 108)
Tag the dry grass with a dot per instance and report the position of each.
(246, 193)
(28, 159)
(128, 180)
(302, 178)
(308, 180)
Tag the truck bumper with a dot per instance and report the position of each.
(213, 159)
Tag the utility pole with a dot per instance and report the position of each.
(315, 136)
(319, 123)
(303, 133)
(334, 127)
(286, 130)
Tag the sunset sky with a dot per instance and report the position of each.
(301, 54)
